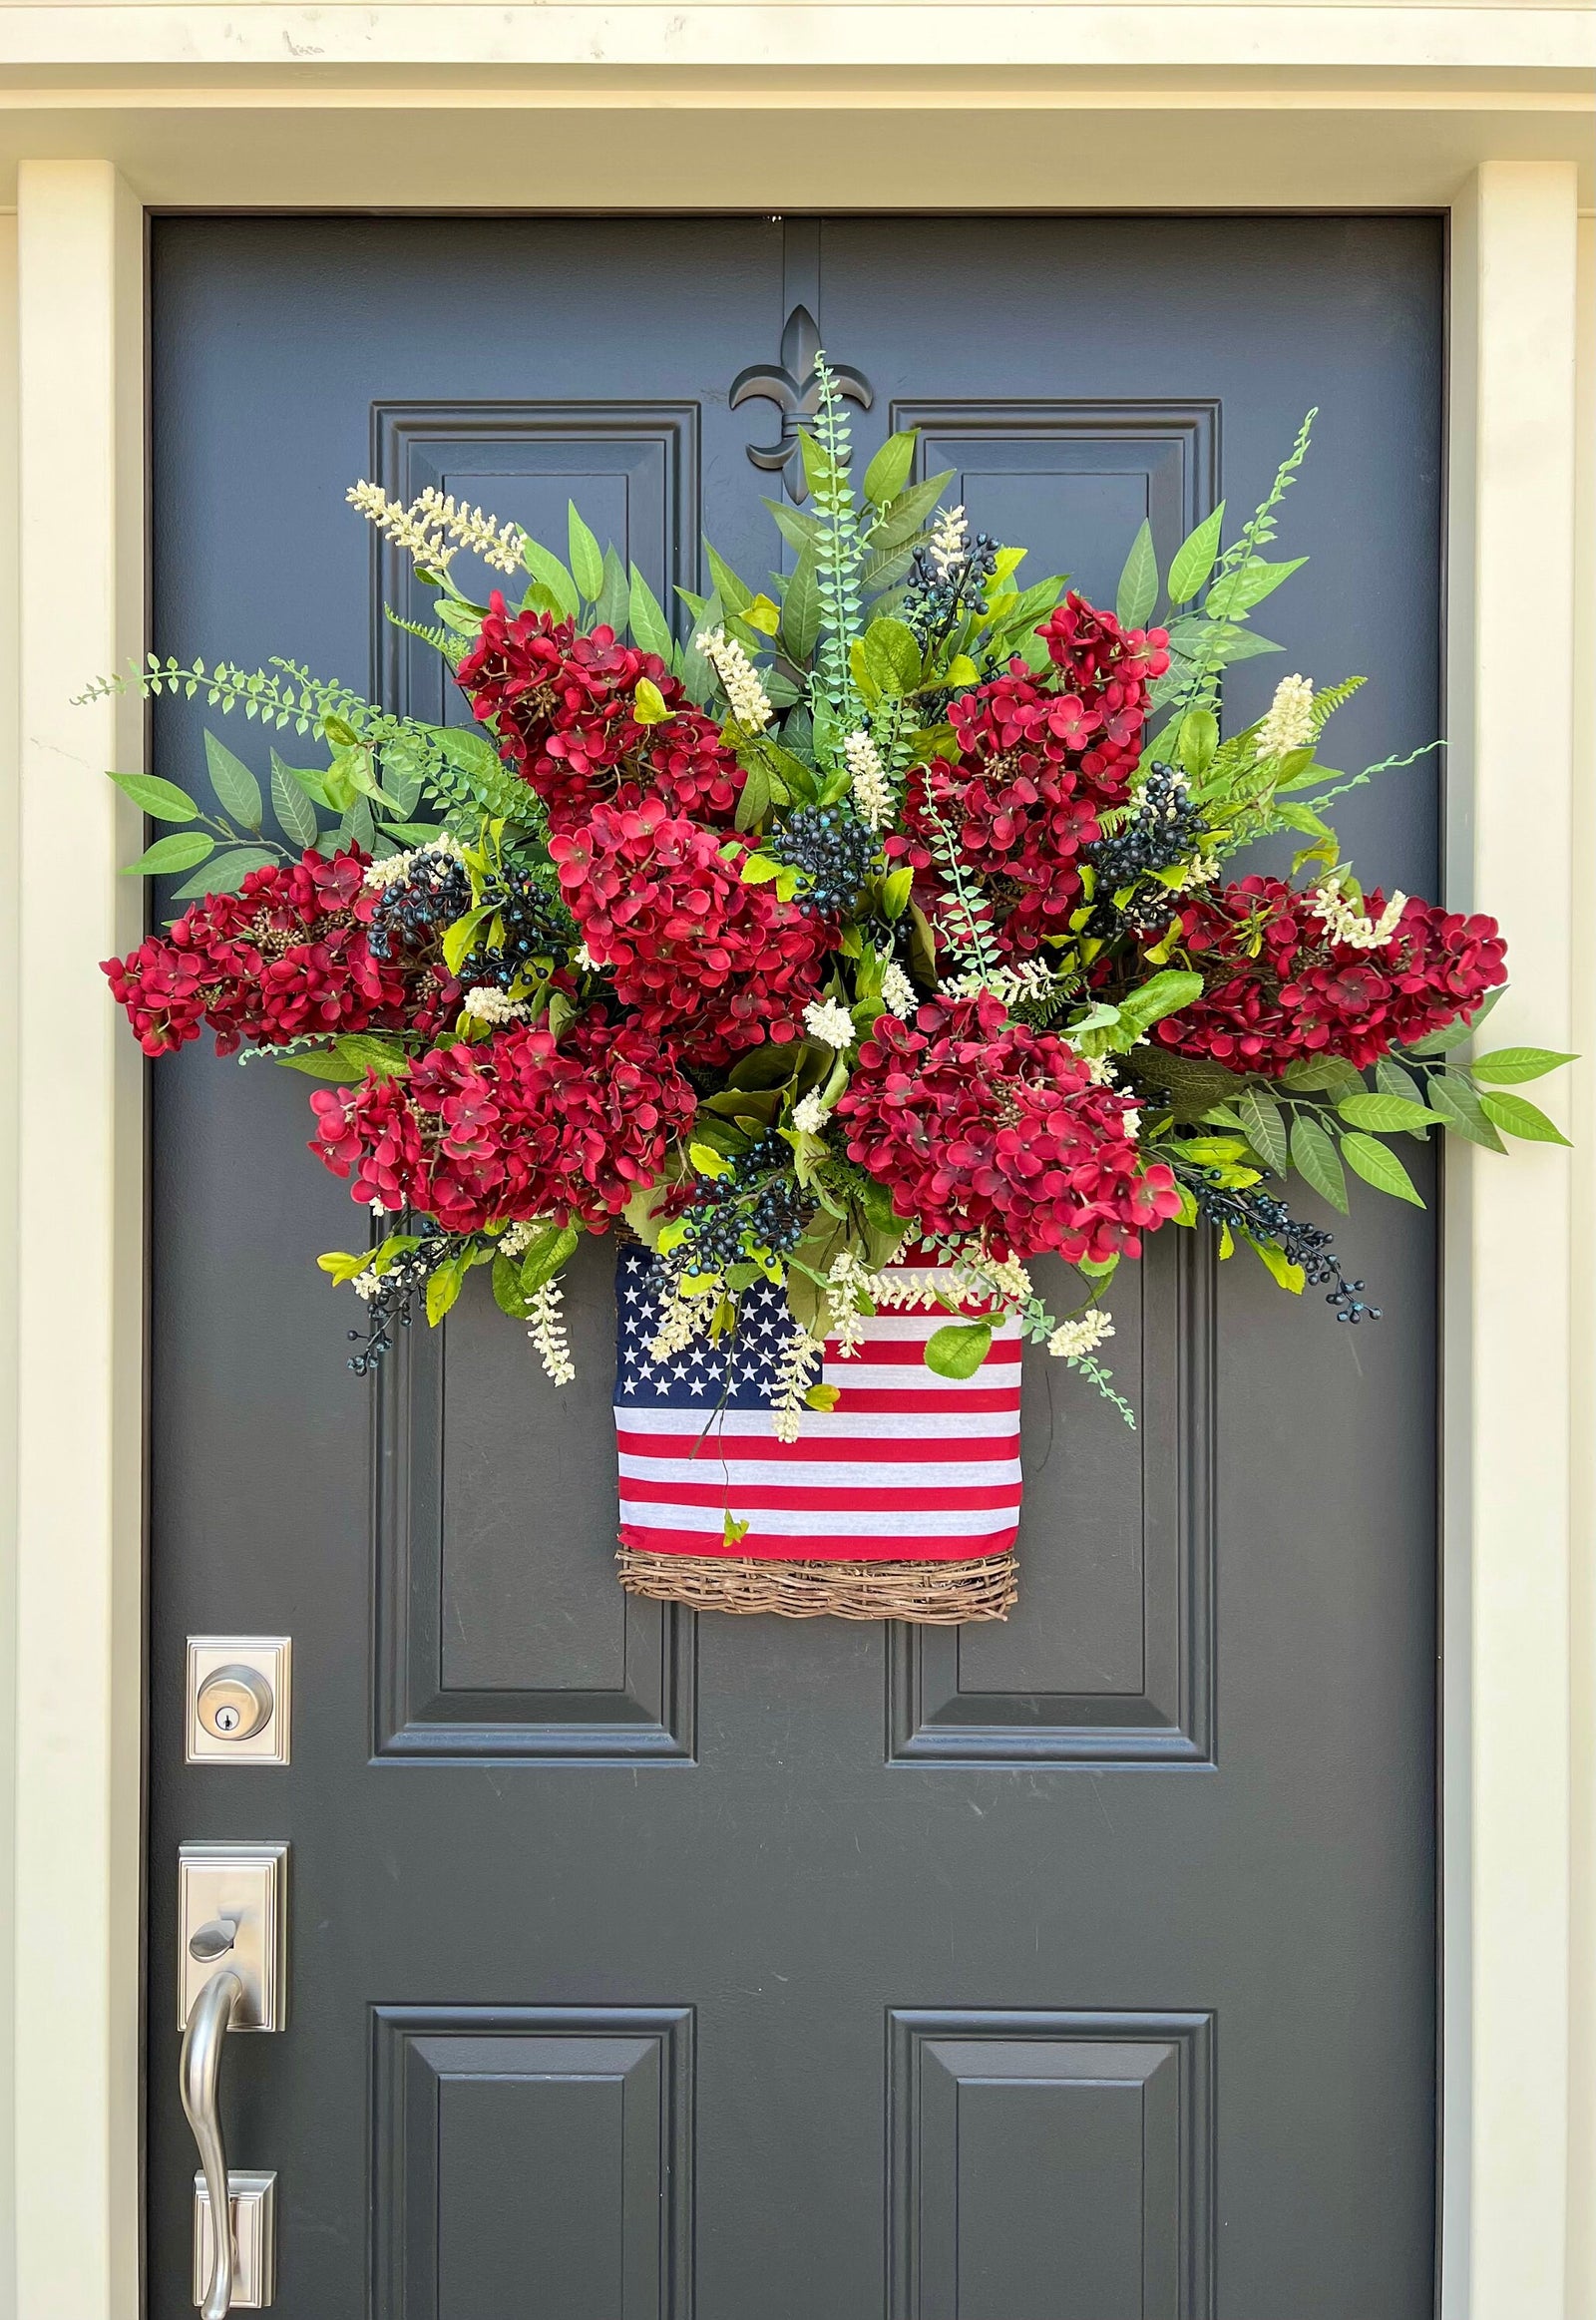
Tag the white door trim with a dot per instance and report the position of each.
(1512, 1328)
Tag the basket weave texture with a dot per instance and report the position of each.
(930, 1594)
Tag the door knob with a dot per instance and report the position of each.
(203, 2038)
(232, 1975)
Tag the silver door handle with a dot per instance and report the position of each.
(202, 2080)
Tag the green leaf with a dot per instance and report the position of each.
(612, 610)
(544, 566)
(958, 1350)
(1507, 1066)
(1197, 741)
(1289, 1276)
(892, 658)
(1165, 994)
(733, 593)
(1515, 1115)
(801, 609)
(460, 937)
(506, 1289)
(649, 627)
(755, 803)
(1330, 1074)
(1386, 1115)
(888, 472)
(1265, 1124)
(226, 871)
(586, 557)
(162, 800)
(1391, 1079)
(1314, 1152)
(1138, 583)
(1379, 1166)
(350, 1058)
(182, 850)
(649, 703)
(547, 1256)
(238, 791)
(445, 1284)
(296, 816)
(1194, 559)
(759, 870)
(795, 525)
(1193, 1083)
(1239, 591)
(343, 1265)
(902, 517)
(1458, 1102)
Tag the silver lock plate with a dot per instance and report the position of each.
(247, 1887)
(252, 2196)
(239, 1698)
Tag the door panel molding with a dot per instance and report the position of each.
(490, 2125)
(1028, 2146)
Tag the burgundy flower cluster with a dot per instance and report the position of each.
(696, 955)
(563, 707)
(284, 957)
(1279, 986)
(1035, 766)
(518, 1126)
(979, 1124)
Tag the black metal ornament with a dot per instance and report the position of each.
(792, 386)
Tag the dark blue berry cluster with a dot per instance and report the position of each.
(535, 924)
(1163, 828)
(394, 1299)
(834, 849)
(759, 1206)
(410, 914)
(940, 595)
(1247, 1209)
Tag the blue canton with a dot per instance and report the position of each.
(736, 1374)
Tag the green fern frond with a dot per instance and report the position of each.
(281, 695)
(1332, 698)
(449, 647)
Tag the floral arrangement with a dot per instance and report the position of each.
(884, 918)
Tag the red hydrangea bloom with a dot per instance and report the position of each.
(1036, 764)
(1013, 805)
(1280, 987)
(563, 706)
(284, 957)
(1105, 673)
(521, 1125)
(979, 1124)
(688, 945)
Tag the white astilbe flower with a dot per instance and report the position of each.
(681, 1320)
(950, 541)
(517, 1238)
(1130, 1122)
(366, 1285)
(845, 1281)
(1289, 723)
(795, 1369)
(585, 959)
(1074, 1339)
(1003, 1273)
(1033, 980)
(872, 789)
(1100, 1071)
(898, 997)
(828, 1021)
(1201, 869)
(434, 528)
(396, 869)
(904, 1288)
(548, 1333)
(809, 1115)
(1345, 922)
(746, 697)
(487, 1003)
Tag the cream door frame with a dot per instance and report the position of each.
(1479, 111)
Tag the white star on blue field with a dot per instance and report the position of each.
(733, 1375)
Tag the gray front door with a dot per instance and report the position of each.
(1080, 1968)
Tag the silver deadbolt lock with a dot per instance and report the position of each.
(238, 1700)
(234, 1702)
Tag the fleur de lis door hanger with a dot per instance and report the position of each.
(792, 386)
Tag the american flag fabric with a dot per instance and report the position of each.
(909, 1466)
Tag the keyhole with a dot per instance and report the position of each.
(227, 1720)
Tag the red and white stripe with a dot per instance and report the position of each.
(909, 1466)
